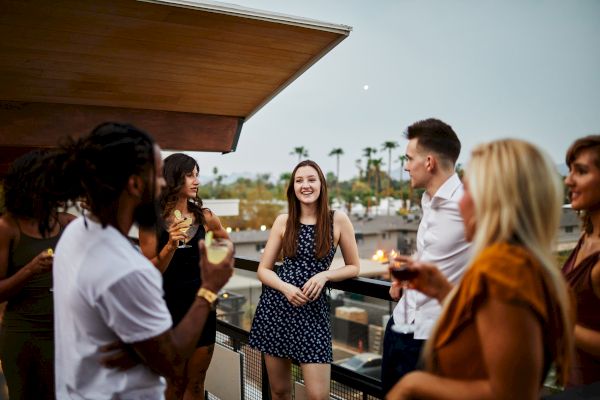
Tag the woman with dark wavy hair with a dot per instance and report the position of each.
(179, 265)
(30, 227)
(292, 317)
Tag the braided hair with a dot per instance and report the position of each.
(98, 166)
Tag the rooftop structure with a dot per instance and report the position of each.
(190, 72)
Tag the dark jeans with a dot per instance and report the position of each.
(400, 356)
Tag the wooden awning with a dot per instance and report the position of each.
(188, 72)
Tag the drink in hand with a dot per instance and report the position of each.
(403, 273)
(216, 251)
(185, 226)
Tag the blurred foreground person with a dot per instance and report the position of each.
(114, 334)
(29, 232)
(509, 318)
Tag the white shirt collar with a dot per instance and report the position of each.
(446, 191)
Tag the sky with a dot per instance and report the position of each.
(528, 69)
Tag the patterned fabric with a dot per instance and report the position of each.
(299, 333)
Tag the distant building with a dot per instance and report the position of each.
(249, 244)
(372, 233)
(385, 233)
(223, 207)
(569, 229)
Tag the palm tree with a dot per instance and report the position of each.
(377, 163)
(301, 151)
(402, 160)
(368, 153)
(389, 146)
(337, 152)
(358, 164)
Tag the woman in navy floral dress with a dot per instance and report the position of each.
(292, 317)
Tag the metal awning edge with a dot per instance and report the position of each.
(236, 10)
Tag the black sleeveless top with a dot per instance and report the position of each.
(181, 281)
(32, 309)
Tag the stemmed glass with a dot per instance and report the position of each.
(186, 228)
(401, 272)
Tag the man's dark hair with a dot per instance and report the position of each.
(436, 136)
(97, 167)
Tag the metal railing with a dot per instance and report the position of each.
(345, 384)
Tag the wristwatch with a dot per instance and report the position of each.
(211, 297)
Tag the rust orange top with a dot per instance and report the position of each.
(504, 272)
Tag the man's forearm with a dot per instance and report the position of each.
(167, 353)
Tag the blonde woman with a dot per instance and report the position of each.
(508, 320)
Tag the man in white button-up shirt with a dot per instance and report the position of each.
(432, 151)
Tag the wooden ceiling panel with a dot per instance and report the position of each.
(115, 58)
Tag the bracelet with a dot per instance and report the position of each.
(210, 297)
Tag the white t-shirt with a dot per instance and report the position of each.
(440, 240)
(104, 290)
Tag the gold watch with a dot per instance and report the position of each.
(211, 297)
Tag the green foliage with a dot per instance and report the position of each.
(561, 257)
(261, 199)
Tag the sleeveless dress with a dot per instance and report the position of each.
(27, 335)
(298, 333)
(181, 282)
(586, 368)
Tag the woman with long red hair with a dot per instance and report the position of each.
(292, 317)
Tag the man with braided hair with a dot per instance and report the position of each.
(113, 330)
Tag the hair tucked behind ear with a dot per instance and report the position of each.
(98, 166)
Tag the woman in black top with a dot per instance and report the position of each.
(31, 225)
(179, 265)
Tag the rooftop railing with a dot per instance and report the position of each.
(345, 383)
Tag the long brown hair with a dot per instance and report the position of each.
(592, 143)
(323, 234)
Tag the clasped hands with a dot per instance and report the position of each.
(310, 291)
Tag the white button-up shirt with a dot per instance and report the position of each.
(441, 241)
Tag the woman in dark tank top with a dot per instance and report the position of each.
(30, 227)
(180, 265)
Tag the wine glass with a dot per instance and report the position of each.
(401, 272)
